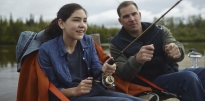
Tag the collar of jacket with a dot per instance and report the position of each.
(62, 48)
(125, 36)
(122, 39)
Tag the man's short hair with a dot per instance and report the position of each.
(125, 4)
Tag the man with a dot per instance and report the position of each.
(153, 56)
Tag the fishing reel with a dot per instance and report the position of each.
(108, 81)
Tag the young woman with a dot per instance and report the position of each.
(69, 59)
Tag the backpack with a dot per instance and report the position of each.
(32, 81)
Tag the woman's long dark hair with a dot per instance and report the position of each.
(53, 30)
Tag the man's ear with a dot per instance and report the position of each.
(61, 23)
(120, 21)
(140, 15)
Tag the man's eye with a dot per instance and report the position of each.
(126, 16)
(133, 14)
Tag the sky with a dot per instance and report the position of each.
(100, 12)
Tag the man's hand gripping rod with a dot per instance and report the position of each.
(111, 61)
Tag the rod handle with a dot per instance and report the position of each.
(110, 62)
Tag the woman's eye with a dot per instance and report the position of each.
(76, 20)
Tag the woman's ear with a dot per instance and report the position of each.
(60, 23)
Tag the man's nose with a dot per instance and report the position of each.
(131, 18)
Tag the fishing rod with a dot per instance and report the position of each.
(111, 61)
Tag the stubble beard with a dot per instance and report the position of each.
(134, 33)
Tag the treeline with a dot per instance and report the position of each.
(185, 30)
(10, 29)
(189, 29)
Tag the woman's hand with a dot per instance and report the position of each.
(108, 69)
(84, 87)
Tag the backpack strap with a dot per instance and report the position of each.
(161, 90)
(55, 91)
(149, 82)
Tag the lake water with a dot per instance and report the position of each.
(9, 76)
